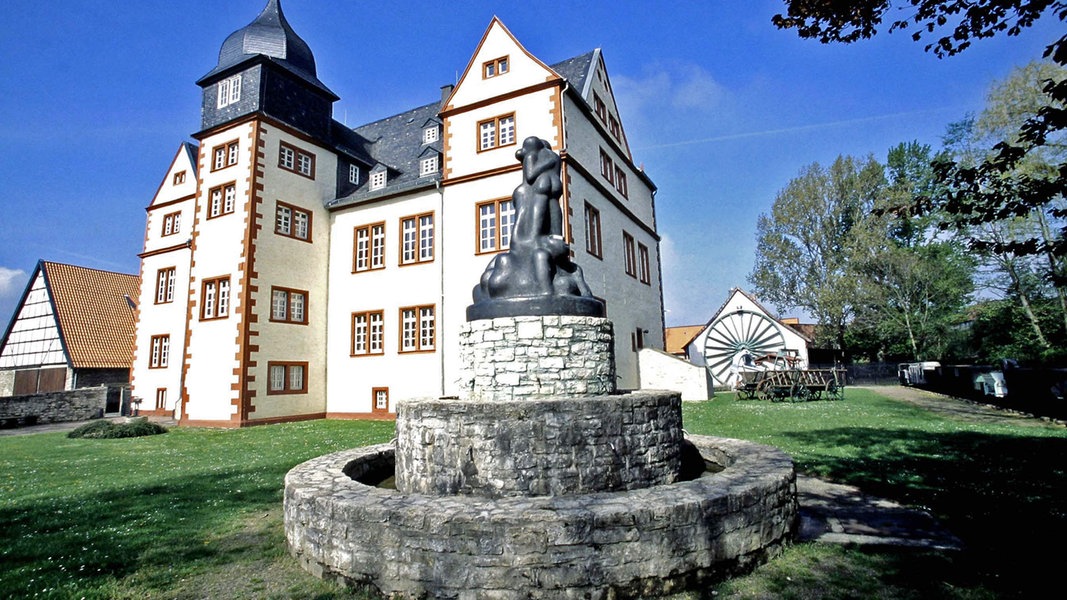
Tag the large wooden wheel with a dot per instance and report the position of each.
(734, 335)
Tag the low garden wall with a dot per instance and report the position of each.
(81, 404)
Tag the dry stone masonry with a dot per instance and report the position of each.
(638, 544)
(512, 358)
(620, 442)
(58, 407)
(540, 494)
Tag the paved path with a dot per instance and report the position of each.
(835, 513)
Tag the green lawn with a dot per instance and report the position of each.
(196, 513)
(1001, 488)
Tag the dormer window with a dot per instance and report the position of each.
(229, 91)
(431, 134)
(495, 67)
(377, 179)
(428, 165)
(353, 174)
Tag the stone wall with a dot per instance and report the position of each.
(7, 382)
(513, 358)
(538, 447)
(57, 407)
(634, 544)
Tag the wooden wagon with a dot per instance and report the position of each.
(795, 385)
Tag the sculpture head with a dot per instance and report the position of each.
(537, 158)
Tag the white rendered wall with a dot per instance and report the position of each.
(219, 248)
(661, 371)
(292, 264)
(533, 117)
(164, 250)
(406, 374)
(154, 319)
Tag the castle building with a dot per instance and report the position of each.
(296, 268)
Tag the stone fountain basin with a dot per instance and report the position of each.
(633, 543)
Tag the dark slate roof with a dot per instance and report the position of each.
(348, 142)
(576, 70)
(192, 150)
(269, 36)
(396, 142)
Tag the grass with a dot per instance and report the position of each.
(999, 487)
(196, 513)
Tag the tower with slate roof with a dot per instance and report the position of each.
(303, 269)
(266, 68)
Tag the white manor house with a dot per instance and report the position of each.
(296, 268)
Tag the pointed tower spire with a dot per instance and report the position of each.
(265, 67)
(268, 35)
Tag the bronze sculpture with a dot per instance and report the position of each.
(536, 276)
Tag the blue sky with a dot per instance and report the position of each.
(720, 107)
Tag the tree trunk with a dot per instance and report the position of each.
(911, 337)
(1016, 283)
(1054, 267)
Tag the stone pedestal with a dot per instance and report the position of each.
(538, 447)
(516, 358)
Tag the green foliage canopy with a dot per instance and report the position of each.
(801, 254)
(994, 188)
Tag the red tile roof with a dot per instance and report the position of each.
(95, 318)
(680, 337)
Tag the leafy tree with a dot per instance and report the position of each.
(999, 329)
(1009, 105)
(998, 193)
(910, 285)
(992, 189)
(801, 254)
(909, 298)
(1009, 269)
(847, 22)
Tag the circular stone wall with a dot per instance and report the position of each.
(555, 446)
(632, 544)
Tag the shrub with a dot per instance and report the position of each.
(103, 429)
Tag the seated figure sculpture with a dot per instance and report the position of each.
(536, 275)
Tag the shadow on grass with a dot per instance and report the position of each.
(1003, 495)
(833, 571)
(80, 544)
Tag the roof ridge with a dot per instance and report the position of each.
(399, 114)
(62, 264)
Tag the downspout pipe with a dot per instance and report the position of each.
(440, 226)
